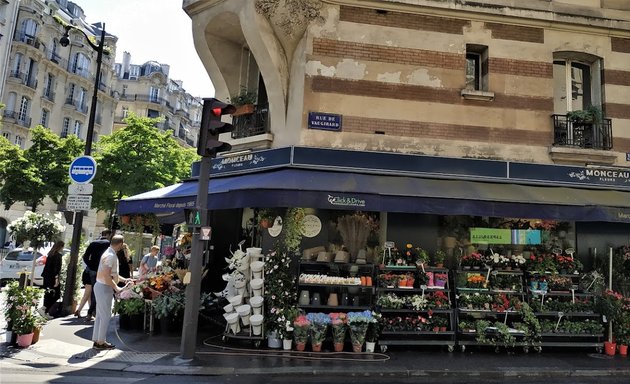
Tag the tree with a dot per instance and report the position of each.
(135, 159)
(38, 172)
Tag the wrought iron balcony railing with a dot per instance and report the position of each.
(593, 135)
(251, 124)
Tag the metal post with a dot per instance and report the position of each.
(610, 270)
(68, 294)
(191, 312)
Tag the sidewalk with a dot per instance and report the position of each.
(66, 342)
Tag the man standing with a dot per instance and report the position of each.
(104, 289)
(149, 262)
(91, 258)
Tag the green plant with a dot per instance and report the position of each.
(244, 97)
(439, 256)
(169, 304)
(374, 328)
(37, 228)
(592, 114)
(130, 307)
(20, 306)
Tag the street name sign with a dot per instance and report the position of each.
(82, 169)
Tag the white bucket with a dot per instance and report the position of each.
(236, 300)
(240, 286)
(232, 320)
(244, 268)
(228, 308)
(256, 321)
(257, 269)
(257, 302)
(244, 311)
(257, 287)
(255, 252)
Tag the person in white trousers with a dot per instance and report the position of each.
(106, 286)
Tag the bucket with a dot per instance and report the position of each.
(254, 252)
(232, 320)
(257, 302)
(257, 269)
(623, 350)
(244, 311)
(236, 300)
(228, 308)
(240, 286)
(256, 321)
(610, 348)
(257, 287)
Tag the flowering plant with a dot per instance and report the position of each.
(472, 260)
(19, 307)
(285, 322)
(374, 328)
(280, 294)
(438, 299)
(358, 323)
(568, 264)
(475, 281)
(319, 326)
(518, 261)
(37, 228)
(499, 261)
(541, 264)
(300, 329)
(417, 302)
(339, 325)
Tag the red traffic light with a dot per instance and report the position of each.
(216, 112)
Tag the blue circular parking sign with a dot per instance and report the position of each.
(83, 169)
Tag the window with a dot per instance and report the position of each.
(82, 99)
(576, 82)
(153, 113)
(71, 89)
(50, 85)
(29, 28)
(125, 112)
(81, 64)
(17, 64)
(18, 141)
(476, 67)
(154, 94)
(77, 128)
(23, 112)
(65, 127)
(45, 114)
(6, 135)
(54, 57)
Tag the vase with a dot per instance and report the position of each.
(300, 345)
(305, 298)
(338, 346)
(25, 340)
(286, 344)
(370, 346)
(609, 348)
(357, 347)
(317, 347)
(623, 350)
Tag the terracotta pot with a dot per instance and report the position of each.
(244, 109)
(442, 329)
(300, 346)
(317, 347)
(139, 220)
(609, 348)
(25, 340)
(338, 347)
(36, 333)
(623, 350)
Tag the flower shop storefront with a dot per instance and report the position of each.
(487, 291)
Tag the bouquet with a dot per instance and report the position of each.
(339, 326)
(319, 326)
(300, 329)
(358, 323)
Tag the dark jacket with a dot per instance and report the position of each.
(123, 264)
(51, 269)
(93, 253)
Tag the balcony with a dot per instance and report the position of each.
(49, 95)
(587, 135)
(251, 124)
(31, 83)
(17, 75)
(25, 38)
(14, 116)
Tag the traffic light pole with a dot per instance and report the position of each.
(191, 312)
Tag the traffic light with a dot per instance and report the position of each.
(212, 127)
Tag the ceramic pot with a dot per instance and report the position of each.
(370, 346)
(25, 340)
(305, 298)
(287, 344)
(273, 341)
(316, 300)
(333, 300)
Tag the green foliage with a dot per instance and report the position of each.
(135, 159)
(37, 228)
(19, 307)
(169, 304)
(38, 172)
(592, 114)
(245, 97)
(133, 306)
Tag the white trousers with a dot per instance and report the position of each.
(104, 297)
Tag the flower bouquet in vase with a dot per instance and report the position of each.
(300, 332)
(339, 325)
(319, 326)
(358, 323)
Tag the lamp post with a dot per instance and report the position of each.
(71, 282)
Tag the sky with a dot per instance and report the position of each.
(157, 30)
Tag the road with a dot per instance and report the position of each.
(32, 373)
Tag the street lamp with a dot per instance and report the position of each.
(71, 282)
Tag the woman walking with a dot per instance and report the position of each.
(51, 276)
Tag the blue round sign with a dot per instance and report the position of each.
(83, 169)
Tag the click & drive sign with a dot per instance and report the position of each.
(83, 169)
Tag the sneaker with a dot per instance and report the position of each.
(102, 346)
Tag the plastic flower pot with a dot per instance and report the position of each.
(610, 348)
(257, 286)
(232, 320)
(25, 340)
(256, 321)
(228, 308)
(257, 269)
(253, 251)
(256, 302)
(623, 350)
(244, 311)
(236, 300)
(370, 346)
(287, 344)
(300, 346)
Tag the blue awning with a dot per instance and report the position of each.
(294, 187)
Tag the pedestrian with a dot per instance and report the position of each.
(104, 289)
(87, 291)
(91, 258)
(124, 263)
(50, 274)
(149, 262)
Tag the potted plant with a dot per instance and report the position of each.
(169, 307)
(592, 114)
(19, 310)
(130, 311)
(438, 258)
(285, 330)
(610, 305)
(318, 327)
(373, 332)
(244, 102)
(358, 323)
(300, 332)
(339, 326)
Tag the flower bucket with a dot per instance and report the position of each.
(228, 308)
(244, 311)
(25, 340)
(254, 252)
(232, 320)
(240, 286)
(256, 321)
(244, 267)
(609, 348)
(370, 346)
(338, 347)
(317, 347)
(257, 287)
(236, 300)
(257, 269)
(257, 302)
(623, 350)
(287, 344)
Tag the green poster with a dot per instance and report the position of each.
(490, 236)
